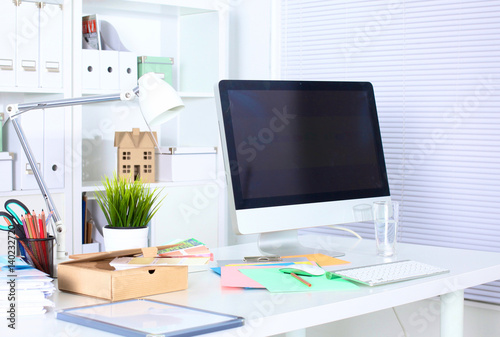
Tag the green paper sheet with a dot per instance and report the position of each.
(276, 281)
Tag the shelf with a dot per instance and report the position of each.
(21, 193)
(92, 186)
(32, 90)
(182, 7)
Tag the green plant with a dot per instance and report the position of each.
(128, 204)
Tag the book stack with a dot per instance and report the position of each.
(24, 290)
(191, 253)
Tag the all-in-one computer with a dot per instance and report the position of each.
(298, 154)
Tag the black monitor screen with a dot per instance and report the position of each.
(292, 142)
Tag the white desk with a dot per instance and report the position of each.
(268, 314)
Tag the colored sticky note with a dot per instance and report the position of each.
(322, 259)
(275, 281)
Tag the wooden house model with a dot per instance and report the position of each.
(136, 155)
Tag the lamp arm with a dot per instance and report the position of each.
(15, 110)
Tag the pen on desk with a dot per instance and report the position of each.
(301, 279)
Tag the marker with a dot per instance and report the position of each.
(301, 279)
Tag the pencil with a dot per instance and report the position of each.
(35, 225)
(29, 225)
(41, 233)
(43, 245)
(25, 228)
(301, 279)
(33, 235)
(44, 224)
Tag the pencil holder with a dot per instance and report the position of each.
(39, 253)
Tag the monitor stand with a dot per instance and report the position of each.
(286, 243)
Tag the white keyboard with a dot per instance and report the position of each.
(388, 272)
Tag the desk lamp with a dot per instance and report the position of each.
(158, 102)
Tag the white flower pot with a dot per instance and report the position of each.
(119, 238)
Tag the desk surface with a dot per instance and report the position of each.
(273, 313)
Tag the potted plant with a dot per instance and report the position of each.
(128, 207)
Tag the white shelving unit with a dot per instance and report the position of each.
(194, 33)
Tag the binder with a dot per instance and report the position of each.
(143, 317)
(53, 149)
(128, 70)
(90, 69)
(8, 43)
(108, 70)
(27, 43)
(32, 124)
(51, 46)
(44, 131)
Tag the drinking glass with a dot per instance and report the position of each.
(386, 218)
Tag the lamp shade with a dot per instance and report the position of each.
(159, 102)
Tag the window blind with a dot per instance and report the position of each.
(435, 67)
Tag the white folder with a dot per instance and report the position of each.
(128, 70)
(51, 46)
(32, 123)
(90, 69)
(53, 147)
(27, 33)
(8, 42)
(108, 70)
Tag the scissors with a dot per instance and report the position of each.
(10, 224)
(12, 219)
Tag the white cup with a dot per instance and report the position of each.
(386, 218)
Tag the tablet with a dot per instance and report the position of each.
(144, 317)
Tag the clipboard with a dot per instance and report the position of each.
(144, 317)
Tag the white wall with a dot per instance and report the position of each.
(250, 39)
(250, 50)
(249, 55)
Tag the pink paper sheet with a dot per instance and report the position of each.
(232, 277)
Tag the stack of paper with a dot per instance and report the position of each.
(24, 290)
(191, 253)
(188, 248)
(193, 263)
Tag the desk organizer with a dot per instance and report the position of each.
(91, 274)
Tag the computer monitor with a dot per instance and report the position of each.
(299, 154)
